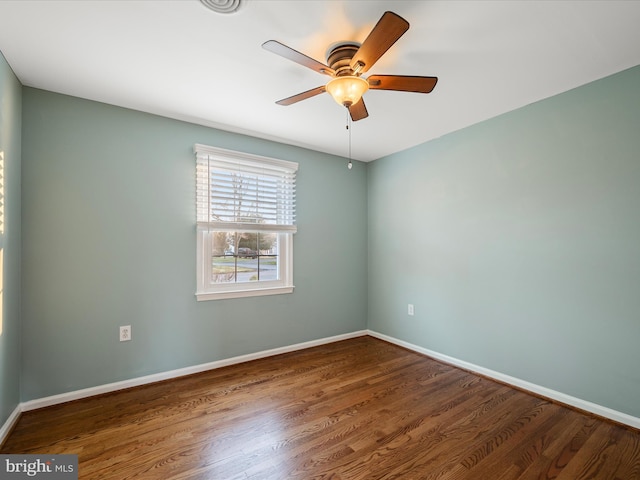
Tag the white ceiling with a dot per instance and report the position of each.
(181, 60)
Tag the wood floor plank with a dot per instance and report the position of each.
(361, 409)
(629, 458)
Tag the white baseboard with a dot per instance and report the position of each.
(585, 405)
(5, 429)
(157, 377)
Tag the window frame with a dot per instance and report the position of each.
(208, 290)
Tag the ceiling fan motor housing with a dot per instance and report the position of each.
(339, 58)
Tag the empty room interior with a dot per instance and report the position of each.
(321, 240)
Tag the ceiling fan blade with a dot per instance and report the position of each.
(358, 111)
(387, 31)
(301, 96)
(295, 56)
(403, 83)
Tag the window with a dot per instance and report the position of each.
(245, 209)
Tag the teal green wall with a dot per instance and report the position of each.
(518, 242)
(109, 240)
(10, 130)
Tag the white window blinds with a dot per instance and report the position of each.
(239, 191)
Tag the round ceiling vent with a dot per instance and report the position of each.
(222, 6)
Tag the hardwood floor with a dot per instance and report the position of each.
(357, 409)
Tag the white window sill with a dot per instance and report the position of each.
(242, 293)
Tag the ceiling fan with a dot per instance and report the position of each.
(347, 61)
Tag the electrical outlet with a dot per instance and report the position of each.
(125, 333)
(410, 310)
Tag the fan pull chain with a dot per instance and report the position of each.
(349, 165)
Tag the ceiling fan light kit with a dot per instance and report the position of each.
(347, 90)
(347, 61)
